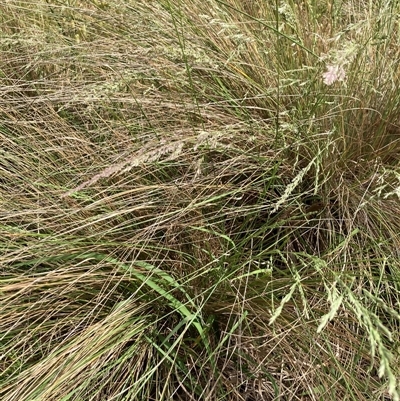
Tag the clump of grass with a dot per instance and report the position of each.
(199, 200)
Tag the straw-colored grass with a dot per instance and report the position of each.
(199, 200)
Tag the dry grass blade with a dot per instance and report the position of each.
(199, 200)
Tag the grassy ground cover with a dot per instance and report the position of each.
(199, 200)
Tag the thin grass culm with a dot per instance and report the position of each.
(199, 200)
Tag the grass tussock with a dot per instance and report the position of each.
(199, 200)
